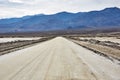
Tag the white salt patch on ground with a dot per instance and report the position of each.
(2, 40)
(112, 39)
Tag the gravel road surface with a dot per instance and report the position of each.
(57, 59)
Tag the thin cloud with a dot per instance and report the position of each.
(16, 1)
(17, 8)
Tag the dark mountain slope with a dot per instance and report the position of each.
(109, 17)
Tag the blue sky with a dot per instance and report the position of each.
(18, 8)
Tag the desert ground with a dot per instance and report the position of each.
(61, 58)
(112, 39)
(106, 46)
(10, 39)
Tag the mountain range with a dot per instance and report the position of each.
(106, 18)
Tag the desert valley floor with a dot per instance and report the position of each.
(57, 59)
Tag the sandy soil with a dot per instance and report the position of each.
(57, 59)
(111, 52)
(16, 39)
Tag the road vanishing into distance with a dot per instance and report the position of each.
(57, 59)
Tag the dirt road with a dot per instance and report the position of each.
(57, 59)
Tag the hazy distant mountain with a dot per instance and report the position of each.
(109, 17)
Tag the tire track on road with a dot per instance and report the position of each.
(30, 62)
